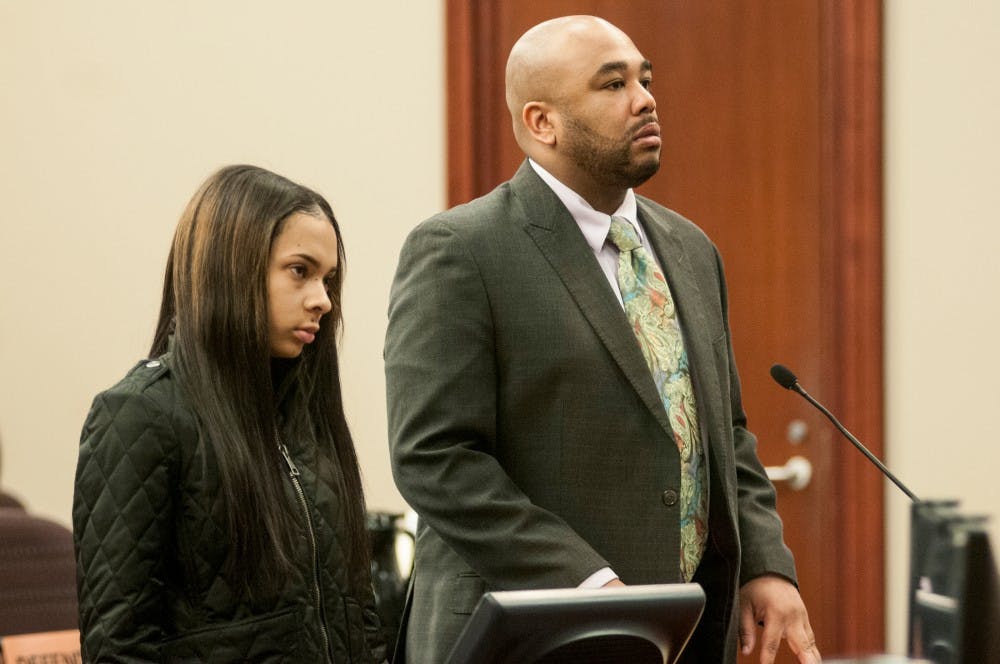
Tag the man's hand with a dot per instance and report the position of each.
(773, 603)
(613, 583)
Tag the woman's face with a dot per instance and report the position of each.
(300, 272)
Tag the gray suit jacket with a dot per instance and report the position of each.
(525, 428)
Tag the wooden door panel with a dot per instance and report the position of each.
(771, 143)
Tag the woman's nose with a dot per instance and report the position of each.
(318, 298)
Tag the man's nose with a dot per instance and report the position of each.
(644, 102)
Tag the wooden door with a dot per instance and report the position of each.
(771, 118)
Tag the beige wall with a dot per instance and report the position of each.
(113, 112)
(942, 247)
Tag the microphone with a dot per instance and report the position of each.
(784, 377)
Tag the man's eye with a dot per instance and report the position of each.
(647, 83)
(615, 85)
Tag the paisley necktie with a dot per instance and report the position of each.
(650, 310)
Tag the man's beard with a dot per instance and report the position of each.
(606, 160)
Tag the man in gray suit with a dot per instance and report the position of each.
(531, 426)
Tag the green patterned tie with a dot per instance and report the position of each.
(649, 308)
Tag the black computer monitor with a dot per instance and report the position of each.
(954, 588)
(635, 624)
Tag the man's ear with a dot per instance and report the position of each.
(539, 119)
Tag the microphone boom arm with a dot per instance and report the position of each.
(864, 450)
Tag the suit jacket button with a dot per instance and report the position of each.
(669, 497)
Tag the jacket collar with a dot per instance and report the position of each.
(559, 239)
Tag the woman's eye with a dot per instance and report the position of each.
(298, 270)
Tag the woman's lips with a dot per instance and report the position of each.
(305, 336)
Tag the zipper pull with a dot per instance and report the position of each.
(292, 468)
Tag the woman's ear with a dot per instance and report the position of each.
(539, 119)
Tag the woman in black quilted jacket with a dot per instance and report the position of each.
(218, 510)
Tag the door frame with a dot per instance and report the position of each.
(851, 204)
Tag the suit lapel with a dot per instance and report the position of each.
(683, 283)
(555, 233)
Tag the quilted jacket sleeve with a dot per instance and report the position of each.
(373, 627)
(122, 516)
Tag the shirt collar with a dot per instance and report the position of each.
(593, 224)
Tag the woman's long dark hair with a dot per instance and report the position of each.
(215, 305)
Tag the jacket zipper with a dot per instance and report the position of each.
(293, 473)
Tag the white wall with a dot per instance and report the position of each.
(113, 112)
(942, 242)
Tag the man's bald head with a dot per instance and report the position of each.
(578, 94)
(540, 60)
